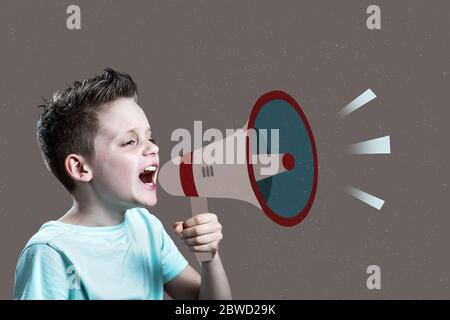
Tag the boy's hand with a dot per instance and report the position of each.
(201, 233)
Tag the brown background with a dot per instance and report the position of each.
(210, 61)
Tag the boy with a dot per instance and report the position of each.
(97, 141)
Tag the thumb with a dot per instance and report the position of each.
(178, 227)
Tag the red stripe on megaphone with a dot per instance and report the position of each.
(187, 176)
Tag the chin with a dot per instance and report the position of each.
(149, 202)
(140, 203)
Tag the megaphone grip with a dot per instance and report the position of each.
(200, 205)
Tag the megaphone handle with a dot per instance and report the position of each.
(200, 205)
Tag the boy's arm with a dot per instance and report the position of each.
(214, 280)
(201, 233)
(213, 284)
(184, 286)
(41, 275)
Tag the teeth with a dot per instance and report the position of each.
(150, 168)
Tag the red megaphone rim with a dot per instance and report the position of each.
(294, 220)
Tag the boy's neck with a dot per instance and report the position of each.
(93, 215)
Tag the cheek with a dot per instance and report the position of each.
(117, 170)
(118, 176)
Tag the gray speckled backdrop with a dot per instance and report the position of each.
(211, 60)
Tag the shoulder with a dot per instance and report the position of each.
(44, 239)
(40, 248)
(39, 252)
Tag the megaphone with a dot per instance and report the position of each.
(285, 195)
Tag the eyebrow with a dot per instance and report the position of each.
(133, 129)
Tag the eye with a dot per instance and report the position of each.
(152, 140)
(128, 143)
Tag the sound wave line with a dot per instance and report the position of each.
(380, 145)
(369, 199)
(357, 103)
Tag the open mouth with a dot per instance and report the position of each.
(148, 176)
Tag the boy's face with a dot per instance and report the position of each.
(123, 151)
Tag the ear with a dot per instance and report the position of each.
(77, 168)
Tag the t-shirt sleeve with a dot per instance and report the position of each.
(173, 262)
(41, 274)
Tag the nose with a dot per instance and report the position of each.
(151, 148)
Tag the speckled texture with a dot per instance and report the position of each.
(210, 61)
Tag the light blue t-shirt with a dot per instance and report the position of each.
(132, 260)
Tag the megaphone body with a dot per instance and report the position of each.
(183, 176)
(284, 192)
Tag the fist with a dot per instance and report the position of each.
(201, 233)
